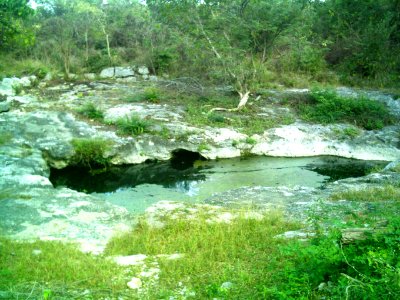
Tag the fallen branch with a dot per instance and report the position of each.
(244, 97)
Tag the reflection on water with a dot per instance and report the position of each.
(138, 186)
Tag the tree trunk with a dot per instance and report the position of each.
(87, 46)
(244, 97)
(108, 48)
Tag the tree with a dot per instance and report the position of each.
(12, 13)
(237, 33)
(363, 36)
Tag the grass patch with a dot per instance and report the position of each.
(203, 147)
(5, 138)
(326, 106)
(10, 66)
(17, 88)
(247, 254)
(5, 194)
(90, 111)
(91, 153)
(258, 124)
(150, 94)
(133, 125)
(247, 121)
(386, 193)
(32, 270)
(244, 252)
(242, 259)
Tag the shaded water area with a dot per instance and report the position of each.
(192, 179)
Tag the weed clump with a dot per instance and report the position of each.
(89, 110)
(133, 125)
(151, 94)
(326, 106)
(91, 153)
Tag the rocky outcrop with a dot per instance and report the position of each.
(127, 74)
(301, 139)
(30, 208)
(8, 85)
(117, 72)
(40, 132)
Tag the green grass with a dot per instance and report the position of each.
(396, 168)
(386, 193)
(17, 88)
(244, 252)
(10, 66)
(326, 106)
(91, 153)
(248, 121)
(150, 94)
(90, 111)
(5, 138)
(133, 125)
(60, 270)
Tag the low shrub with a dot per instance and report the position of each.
(150, 94)
(133, 125)
(91, 153)
(324, 268)
(326, 106)
(216, 118)
(89, 110)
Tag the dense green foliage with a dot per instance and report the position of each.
(244, 43)
(12, 30)
(326, 106)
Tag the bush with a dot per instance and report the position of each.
(133, 125)
(326, 106)
(151, 94)
(324, 268)
(89, 110)
(90, 153)
(97, 62)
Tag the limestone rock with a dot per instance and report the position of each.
(153, 78)
(122, 72)
(135, 283)
(302, 139)
(143, 70)
(4, 107)
(90, 76)
(131, 260)
(107, 73)
(117, 72)
(49, 76)
(127, 79)
(6, 86)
